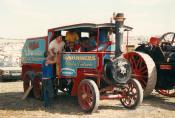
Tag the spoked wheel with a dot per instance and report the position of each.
(27, 82)
(169, 93)
(30, 79)
(168, 37)
(143, 69)
(88, 95)
(133, 94)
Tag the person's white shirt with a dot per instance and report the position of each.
(56, 47)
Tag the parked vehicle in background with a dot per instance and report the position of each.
(153, 64)
(10, 73)
(10, 59)
(10, 68)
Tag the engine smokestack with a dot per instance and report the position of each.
(119, 21)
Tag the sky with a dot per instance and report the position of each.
(32, 18)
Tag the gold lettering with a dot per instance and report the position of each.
(79, 57)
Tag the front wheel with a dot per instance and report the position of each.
(88, 95)
(132, 95)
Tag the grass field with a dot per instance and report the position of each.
(11, 106)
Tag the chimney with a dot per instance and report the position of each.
(119, 21)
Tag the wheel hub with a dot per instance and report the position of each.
(84, 96)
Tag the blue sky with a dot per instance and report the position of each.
(32, 18)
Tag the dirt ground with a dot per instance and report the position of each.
(11, 106)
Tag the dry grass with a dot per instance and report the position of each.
(11, 106)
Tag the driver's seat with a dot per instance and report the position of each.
(169, 51)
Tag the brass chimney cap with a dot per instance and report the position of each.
(119, 17)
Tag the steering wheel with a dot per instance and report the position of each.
(168, 37)
(167, 41)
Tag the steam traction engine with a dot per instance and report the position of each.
(153, 64)
(91, 75)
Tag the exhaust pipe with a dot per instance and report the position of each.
(119, 21)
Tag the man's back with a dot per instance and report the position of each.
(47, 70)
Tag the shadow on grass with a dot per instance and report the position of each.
(63, 104)
(107, 107)
(160, 101)
(16, 79)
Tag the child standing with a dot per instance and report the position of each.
(47, 75)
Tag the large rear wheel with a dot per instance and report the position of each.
(143, 69)
(29, 79)
(88, 95)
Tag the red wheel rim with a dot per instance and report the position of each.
(85, 96)
(130, 95)
(139, 68)
(169, 93)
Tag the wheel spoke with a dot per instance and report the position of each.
(88, 103)
(143, 83)
(82, 89)
(128, 100)
(88, 91)
(139, 62)
(142, 79)
(130, 62)
(133, 61)
(143, 69)
(131, 86)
